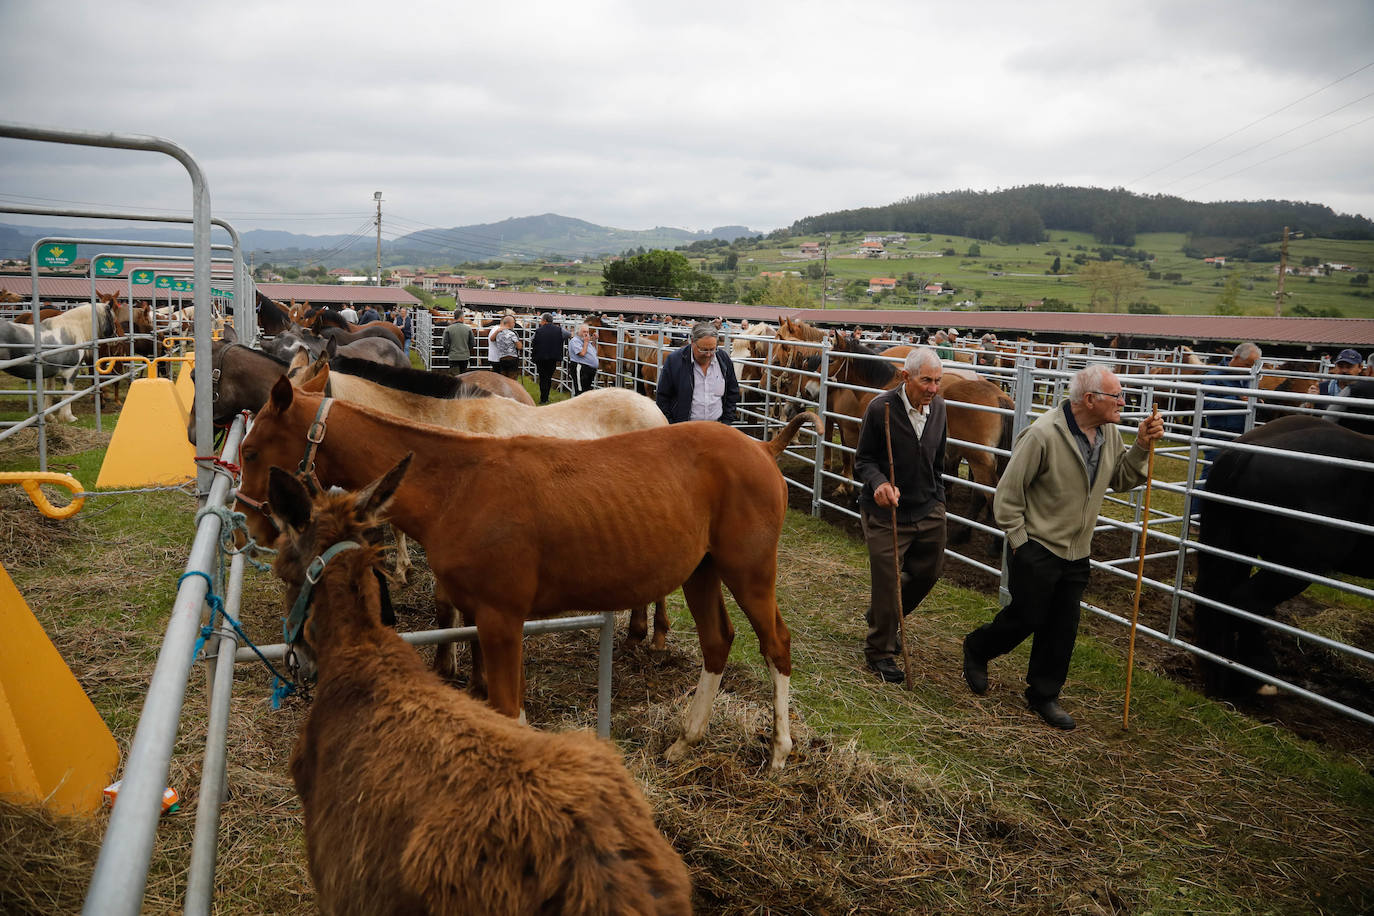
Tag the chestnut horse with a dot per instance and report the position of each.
(418, 798)
(551, 525)
(984, 428)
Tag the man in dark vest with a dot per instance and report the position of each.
(915, 413)
(548, 352)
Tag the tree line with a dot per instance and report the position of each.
(1113, 216)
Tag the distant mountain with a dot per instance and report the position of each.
(527, 238)
(1113, 216)
(545, 236)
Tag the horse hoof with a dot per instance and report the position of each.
(677, 751)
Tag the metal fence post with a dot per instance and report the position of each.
(821, 396)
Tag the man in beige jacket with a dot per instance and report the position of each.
(1047, 503)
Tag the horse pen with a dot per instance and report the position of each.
(928, 801)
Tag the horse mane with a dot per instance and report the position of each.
(871, 373)
(414, 381)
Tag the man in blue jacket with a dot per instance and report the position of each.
(697, 382)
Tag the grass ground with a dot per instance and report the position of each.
(922, 801)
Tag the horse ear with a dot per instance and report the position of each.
(373, 499)
(317, 382)
(288, 499)
(331, 348)
(281, 394)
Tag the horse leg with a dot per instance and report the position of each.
(499, 635)
(959, 533)
(754, 589)
(849, 437)
(445, 654)
(661, 625)
(638, 628)
(65, 413)
(707, 604)
(402, 569)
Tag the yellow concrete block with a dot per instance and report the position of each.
(186, 387)
(54, 748)
(149, 446)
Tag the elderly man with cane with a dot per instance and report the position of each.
(900, 457)
(1047, 503)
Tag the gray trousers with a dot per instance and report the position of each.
(921, 546)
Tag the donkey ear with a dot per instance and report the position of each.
(288, 499)
(373, 499)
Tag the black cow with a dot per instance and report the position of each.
(1325, 490)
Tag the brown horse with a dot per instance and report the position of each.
(392, 766)
(320, 317)
(788, 358)
(547, 526)
(981, 428)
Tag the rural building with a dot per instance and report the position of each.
(881, 284)
(810, 249)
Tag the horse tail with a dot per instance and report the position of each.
(779, 443)
(1004, 441)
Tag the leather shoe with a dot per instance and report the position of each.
(975, 672)
(1054, 714)
(886, 669)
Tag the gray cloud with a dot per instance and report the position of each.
(637, 115)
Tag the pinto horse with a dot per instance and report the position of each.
(571, 516)
(69, 330)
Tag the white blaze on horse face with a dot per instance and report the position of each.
(782, 731)
(698, 714)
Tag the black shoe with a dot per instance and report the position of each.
(1053, 714)
(975, 672)
(886, 669)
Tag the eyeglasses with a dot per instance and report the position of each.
(705, 351)
(1119, 396)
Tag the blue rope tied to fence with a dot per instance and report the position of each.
(229, 522)
(282, 686)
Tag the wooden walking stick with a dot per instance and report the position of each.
(896, 556)
(1139, 575)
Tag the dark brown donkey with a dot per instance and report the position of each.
(420, 799)
(595, 525)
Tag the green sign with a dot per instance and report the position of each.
(141, 277)
(181, 285)
(164, 283)
(222, 293)
(56, 254)
(109, 267)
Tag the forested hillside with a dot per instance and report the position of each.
(1114, 217)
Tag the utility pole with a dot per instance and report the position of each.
(377, 196)
(1283, 272)
(825, 266)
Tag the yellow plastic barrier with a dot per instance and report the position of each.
(54, 748)
(149, 445)
(31, 481)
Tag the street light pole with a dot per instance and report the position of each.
(377, 196)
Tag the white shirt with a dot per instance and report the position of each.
(708, 389)
(917, 415)
(350, 315)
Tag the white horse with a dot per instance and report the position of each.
(70, 331)
(749, 355)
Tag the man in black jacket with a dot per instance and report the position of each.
(548, 352)
(916, 414)
(697, 382)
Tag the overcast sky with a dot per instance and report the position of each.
(694, 115)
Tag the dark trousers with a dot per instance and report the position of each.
(1045, 591)
(509, 366)
(921, 546)
(545, 368)
(583, 378)
(457, 366)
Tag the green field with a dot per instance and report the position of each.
(1009, 276)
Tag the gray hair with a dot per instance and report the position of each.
(703, 329)
(1088, 379)
(921, 356)
(1247, 351)
(583, 327)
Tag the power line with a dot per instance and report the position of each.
(1268, 140)
(1282, 154)
(1250, 125)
